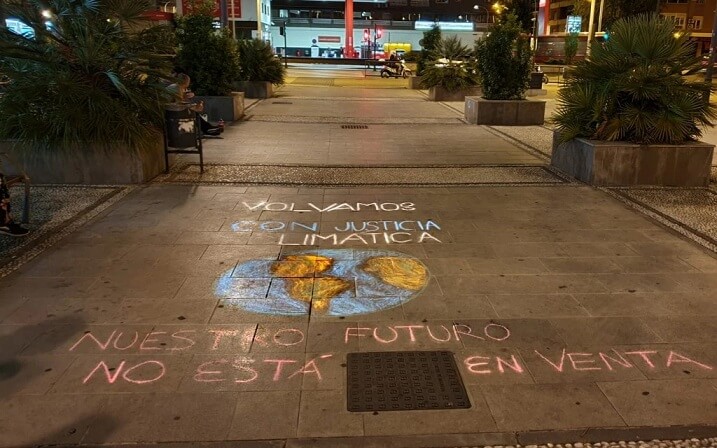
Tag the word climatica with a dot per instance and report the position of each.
(289, 239)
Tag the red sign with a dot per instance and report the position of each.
(158, 15)
(330, 39)
(187, 8)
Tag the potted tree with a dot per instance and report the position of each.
(260, 68)
(429, 43)
(210, 58)
(504, 65)
(87, 91)
(630, 113)
(450, 76)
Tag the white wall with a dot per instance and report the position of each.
(302, 37)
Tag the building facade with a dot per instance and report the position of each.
(557, 17)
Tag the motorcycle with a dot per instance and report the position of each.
(395, 69)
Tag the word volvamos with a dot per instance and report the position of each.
(335, 207)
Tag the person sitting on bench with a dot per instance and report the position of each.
(184, 95)
(7, 225)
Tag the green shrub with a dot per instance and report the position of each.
(259, 63)
(634, 88)
(412, 56)
(89, 79)
(504, 61)
(450, 66)
(207, 55)
(429, 43)
(571, 47)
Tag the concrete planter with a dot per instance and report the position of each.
(257, 89)
(504, 112)
(88, 165)
(227, 108)
(622, 164)
(438, 93)
(414, 82)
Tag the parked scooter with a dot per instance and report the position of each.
(395, 69)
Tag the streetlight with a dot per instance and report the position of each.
(487, 11)
(498, 7)
(591, 27)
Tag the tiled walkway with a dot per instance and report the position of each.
(208, 312)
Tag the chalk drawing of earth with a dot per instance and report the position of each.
(333, 282)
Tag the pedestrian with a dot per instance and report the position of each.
(182, 94)
(7, 225)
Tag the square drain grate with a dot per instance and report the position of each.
(281, 102)
(404, 381)
(354, 126)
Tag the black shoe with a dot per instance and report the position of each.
(213, 131)
(13, 229)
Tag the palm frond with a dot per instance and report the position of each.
(639, 86)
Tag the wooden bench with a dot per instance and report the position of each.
(15, 179)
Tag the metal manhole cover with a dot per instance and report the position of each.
(354, 126)
(404, 381)
(281, 102)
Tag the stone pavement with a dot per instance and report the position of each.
(207, 311)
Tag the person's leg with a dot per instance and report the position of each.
(7, 225)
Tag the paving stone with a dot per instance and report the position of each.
(229, 311)
(703, 262)
(581, 331)
(280, 337)
(527, 407)
(517, 284)
(399, 423)
(469, 307)
(332, 336)
(504, 266)
(447, 266)
(684, 328)
(211, 238)
(643, 265)
(33, 375)
(24, 421)
(165, 417)
(39, 310)
(575, 265)
(544, 305)
(648, 304)
(39, 287)
(639, 283)
(663, 402)
(478, 333)
(147, 287)
(324, 414)
(137, 311)
(257, 416)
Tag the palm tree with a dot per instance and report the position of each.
(92, 73)
(636, 88)
(449, 66)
